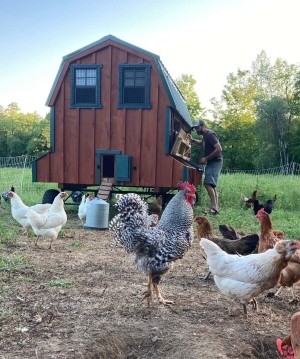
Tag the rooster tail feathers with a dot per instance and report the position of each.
(131, 203)
(133, 214)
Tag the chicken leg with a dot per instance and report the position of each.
(160, 298)
(254, 306)
(148, 292)
(294, 299)
(36, 241)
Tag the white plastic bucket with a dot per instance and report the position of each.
(97, 214)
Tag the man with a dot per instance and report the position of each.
(213, 161)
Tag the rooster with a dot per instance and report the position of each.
(245, 277)
(49, 224)
(243, 246)
(155, 248)
(19, 210)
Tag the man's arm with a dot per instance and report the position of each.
(215, 152)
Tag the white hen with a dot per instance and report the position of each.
(82, 209)
(49, 224)
(245, 277)
(19, 209)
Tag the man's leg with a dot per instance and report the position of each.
(216, 197)
(212, 195)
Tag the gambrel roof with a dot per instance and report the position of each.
(175, 97)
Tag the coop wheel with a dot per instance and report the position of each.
(49, 195)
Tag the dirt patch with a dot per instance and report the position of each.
(83, 300)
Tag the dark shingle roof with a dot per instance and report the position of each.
(176, 99)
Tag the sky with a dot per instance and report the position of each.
(207, 39)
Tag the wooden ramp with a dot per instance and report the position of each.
(105, 188)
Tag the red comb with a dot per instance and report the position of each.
(186, 185)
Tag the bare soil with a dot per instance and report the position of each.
(83, 300)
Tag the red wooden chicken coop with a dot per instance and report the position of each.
(117, 120)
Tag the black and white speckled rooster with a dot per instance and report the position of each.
(155, 248)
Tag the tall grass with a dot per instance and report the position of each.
(21, 179)
(232, 186)
(285, 215)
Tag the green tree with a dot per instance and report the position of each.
(22, 133)
(274, 121)
(256, 107)
(39, 142)
(274, 112)
(186, 85)
(235, 116)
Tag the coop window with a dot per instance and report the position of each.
(85, 86)
(134, 86)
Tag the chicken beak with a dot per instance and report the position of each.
(193, 200)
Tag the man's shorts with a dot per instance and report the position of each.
(212, 173)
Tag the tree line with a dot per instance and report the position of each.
(257, 118)
(21, 133)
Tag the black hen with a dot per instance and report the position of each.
(267, 206)
(228, 231)
(155, 248)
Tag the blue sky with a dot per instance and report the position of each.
(205, 38)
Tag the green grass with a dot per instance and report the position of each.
(61, 283)
(12, 263)
(231, 187)
(76, 244)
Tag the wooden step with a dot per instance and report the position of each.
(104, 189)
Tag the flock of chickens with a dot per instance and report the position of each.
(243, 267)
(46, 220)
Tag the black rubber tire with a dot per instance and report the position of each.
(49, 195)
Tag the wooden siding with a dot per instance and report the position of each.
(137, 133)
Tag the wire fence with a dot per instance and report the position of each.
(23, 161)
(292, 168)
(16, 172)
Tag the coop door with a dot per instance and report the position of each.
(123, 168)
(113, 166)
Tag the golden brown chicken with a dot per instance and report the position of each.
(290, 275)
(268, 237)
